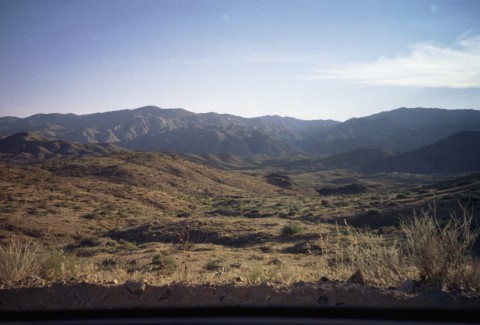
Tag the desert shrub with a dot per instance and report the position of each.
(58, 265)
(19, 260)
(291, 229)
(279, 273)
(236, 265)
(109, 264)
(275, 261)
(256, 275)
(214, 265)
(441, 252)
(129, 246)
(164, 262)
(89, 216)
(90, 241)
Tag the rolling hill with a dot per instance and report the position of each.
(29, 147)
(458, 153)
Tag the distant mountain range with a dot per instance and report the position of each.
(179, 131)
(175, 130)
(399, 130)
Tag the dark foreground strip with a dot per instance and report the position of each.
(283, 315)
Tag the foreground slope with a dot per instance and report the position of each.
(115, 190)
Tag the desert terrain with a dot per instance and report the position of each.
(102, 226)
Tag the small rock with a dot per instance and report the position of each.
(324, 279)
(299, 283)
(136, 287)
(357, 278)
(408, 286)
(239, 279)
(114, 281)
(33, 278)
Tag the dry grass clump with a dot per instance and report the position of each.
(438, 254)
(442, 253)
(165, 262)
(381, 260)
(278, 273)
(19, 260)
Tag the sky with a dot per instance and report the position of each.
(314, 59)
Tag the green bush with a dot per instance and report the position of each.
(291, 229)
(164, 262)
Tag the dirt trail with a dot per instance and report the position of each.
(94, 296)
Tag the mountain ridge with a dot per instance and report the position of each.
(457, 153)
(177, 130)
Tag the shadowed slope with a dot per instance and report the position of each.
(28, 147)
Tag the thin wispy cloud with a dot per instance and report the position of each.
(426, 65)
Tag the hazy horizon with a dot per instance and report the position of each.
(239, 115)
(304, 59)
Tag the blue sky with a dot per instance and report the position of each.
(306, 59)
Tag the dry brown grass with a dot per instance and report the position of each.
(441, 253)
(19, 260)
(380, 259)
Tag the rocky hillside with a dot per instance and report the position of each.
(29, 147)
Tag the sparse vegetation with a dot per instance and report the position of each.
(442, 253)
(201, 230)
(164, 262)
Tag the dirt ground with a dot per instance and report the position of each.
(85, 296)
